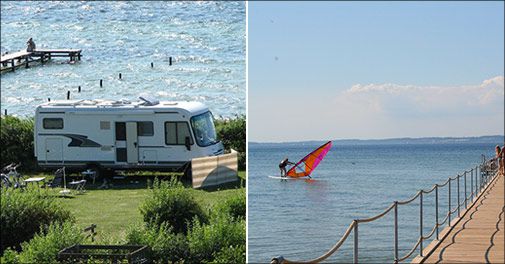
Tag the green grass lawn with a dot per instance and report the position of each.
(114, 209)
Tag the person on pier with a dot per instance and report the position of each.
(30, 45)
(499, 158)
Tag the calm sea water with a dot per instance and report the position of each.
(206, 40)
(301, 220)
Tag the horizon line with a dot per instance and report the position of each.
(378, 139)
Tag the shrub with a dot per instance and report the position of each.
(233, 135)
(24, 212)
(206, 241)
(166, 247)
(231, 254)
(17, 141)
(172, 204)
(44, 247)
(234, 206)
(10, 256)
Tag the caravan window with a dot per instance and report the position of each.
(176, 133)
(145, 128)
(52, 123)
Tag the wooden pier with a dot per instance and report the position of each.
(10, 62)
(478, 236)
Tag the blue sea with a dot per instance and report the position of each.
(205, 39)
(301, 220)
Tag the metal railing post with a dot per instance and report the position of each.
(458, 194)
(396, 231)
(476, 180)
(471, 185)
(356, 242)
(421, 223)
(449, 219)
(466, 204)
(436, 208)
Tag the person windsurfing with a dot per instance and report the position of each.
(282, 166)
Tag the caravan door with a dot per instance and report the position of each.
(132, 146)
(54, 149)
(127, 149)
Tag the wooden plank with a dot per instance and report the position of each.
(479, 236)
(59, 50)
(15, 55)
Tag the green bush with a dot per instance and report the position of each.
(232, 254)
(24, 212)
(44, 247)
(17, 142)
(232, 133)
(10, 256)
(170, 203)
(207, 241)
(234, 206)
(165, 246)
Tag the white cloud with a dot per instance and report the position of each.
(415, 101)
(379, 111)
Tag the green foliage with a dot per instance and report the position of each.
(172, 204)
(233, 135)
(44, 247)
(207, 241)
(17, 141)
(166, 247)
(10, 256)
(234, 206)
(24, 212)
(231, 254)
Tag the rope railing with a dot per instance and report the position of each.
(487, 172)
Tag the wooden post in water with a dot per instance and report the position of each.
(79, 89)
(120, 76)
(152, 65)
(68, 95)
(170, 61)
(101, 82)
(48, 99)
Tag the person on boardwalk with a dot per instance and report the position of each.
(30, 45)
(282, 166)
(499, 158)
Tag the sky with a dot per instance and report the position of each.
(372, 70)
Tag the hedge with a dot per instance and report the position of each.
(24, 212)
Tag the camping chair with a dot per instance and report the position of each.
(79, 185)
(58, 179)
(5, 182)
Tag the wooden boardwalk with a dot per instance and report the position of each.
(479, 236)
(23, 57)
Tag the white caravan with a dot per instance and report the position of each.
(104, 134)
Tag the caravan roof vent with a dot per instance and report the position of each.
(149, 101)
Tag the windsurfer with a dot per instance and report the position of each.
(282, 166)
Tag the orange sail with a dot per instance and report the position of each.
(305, 166)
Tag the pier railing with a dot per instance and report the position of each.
(473, 185)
